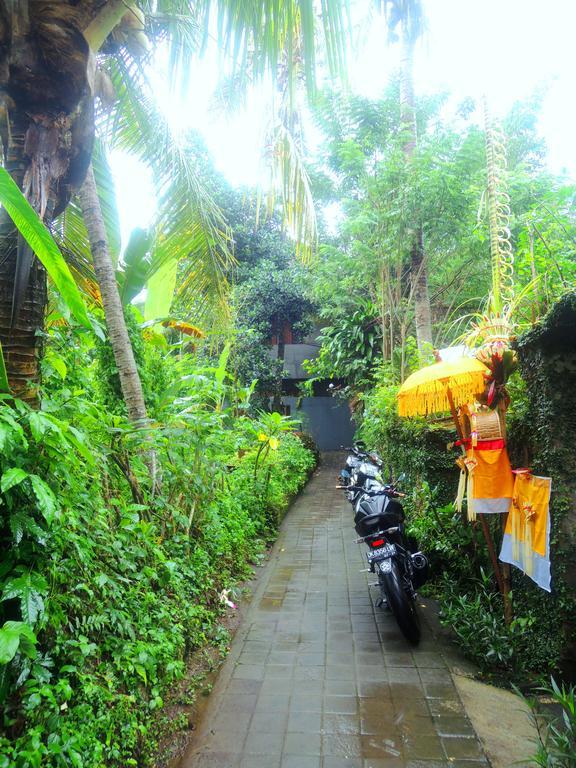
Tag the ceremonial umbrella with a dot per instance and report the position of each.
(442, 387)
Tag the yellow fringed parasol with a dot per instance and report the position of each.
(438, 387)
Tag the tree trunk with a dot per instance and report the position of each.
(277, 400)
(418, 267)
(47, 134)
(422, 310)
(19, 335)
(113, 312)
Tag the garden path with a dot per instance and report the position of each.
(317, 677)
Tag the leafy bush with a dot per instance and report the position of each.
(474, 612)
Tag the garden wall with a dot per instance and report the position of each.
(543, 436)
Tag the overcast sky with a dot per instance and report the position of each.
(503, 48)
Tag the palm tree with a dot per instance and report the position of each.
(47, 80)
(407, 17)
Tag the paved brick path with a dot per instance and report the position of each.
(318, 677)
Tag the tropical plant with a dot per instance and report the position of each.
(557, 734)
(351, 348)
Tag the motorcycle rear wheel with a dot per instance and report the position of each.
(401, 604)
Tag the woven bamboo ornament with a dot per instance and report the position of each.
(481, 423)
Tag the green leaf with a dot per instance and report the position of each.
(38, 425)
(45, 496)
(4, 433)
(57, 363)
(78, 440)
(220, 372)
(160, 289)
(41, 242)
(12, 477)
(136, 263)
(4, 385)
(29, 588)
(15, 635)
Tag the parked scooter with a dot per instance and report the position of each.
(379, 523)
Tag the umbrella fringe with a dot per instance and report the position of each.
(431, 397)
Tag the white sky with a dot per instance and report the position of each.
(504, 48)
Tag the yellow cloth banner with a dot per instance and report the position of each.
(526, 542)
(490, 478)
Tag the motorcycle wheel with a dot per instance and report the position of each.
(401, 604)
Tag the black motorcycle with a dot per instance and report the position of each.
(379, 522)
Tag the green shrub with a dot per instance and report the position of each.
(474, 611)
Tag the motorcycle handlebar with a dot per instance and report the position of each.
(388, 491)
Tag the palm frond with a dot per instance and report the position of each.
(189, 226)
(178, 30)
(290, 177)
(263, 33)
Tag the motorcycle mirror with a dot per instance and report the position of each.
(401, 477)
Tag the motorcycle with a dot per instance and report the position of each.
(379, 522)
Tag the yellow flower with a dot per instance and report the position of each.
(274, 443)
(262, 437)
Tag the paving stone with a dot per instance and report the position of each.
(306, 702)
(462, 748)
(308, 744)
(264, 743)
(453, 726)
(345, 705)
(231, 721)
(340, 724)
(269, 722)
(260, 761)
(239, 703)
(336, 745)
(216, 760)
(301, 761)
(340, 687)
(305, 722)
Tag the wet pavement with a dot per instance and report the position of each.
(317, 676)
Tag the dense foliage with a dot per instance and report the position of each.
(108, 584)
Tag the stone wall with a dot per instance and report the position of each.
(547, 440)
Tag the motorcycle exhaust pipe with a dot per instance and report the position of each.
(419, 561)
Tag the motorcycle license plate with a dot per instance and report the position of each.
(386, 551)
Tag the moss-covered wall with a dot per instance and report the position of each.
(545, 437)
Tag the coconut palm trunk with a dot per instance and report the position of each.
(18, 330)
(113, 312)
(47, 131)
